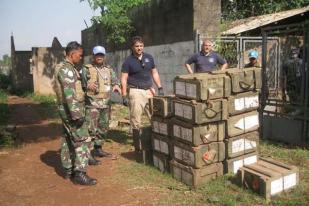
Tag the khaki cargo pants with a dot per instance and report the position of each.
(139, 102)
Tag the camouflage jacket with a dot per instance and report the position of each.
(69, 90)
(105, 78)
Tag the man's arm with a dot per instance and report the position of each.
(224, 66)
(124, 79)
(67, 82)
(189, 69)
(156, 77)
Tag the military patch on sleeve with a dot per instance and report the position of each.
(70, 74)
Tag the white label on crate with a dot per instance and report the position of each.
(247, 122)
(161, 166)
(238, 145)
(187, 134)
(251, 102)
(180, 88)
(164, 147)
(157, 145)
(155, 126)
(187, 112)
(178, 110)
(289, 181)
(236, 165)
(276, 186)
(250, 144)
(163, 128)
(191, 90)
(250, 160)
(239, 104)
(177, 152)
(176, 130)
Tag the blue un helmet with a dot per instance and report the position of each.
(253, 54)
(98, 50)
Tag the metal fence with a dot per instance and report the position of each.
(235, 49)
(285, 98)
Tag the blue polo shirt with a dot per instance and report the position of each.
(139, 71)
(206, 63)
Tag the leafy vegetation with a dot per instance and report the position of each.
(114, 18)
(6, 138)
(238, 9)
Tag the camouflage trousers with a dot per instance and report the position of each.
(98, 122)
(75, 144)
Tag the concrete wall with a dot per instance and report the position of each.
(21, 77)
(206, 17)
(44, 61)
(164, 22)
(169, 60)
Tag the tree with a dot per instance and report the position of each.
(114, 17)
(238, 9)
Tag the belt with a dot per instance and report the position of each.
(138, 87)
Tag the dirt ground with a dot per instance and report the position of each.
(32, 175)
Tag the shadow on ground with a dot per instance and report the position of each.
(52, 159)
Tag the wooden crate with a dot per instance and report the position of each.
(242, 123)
(161, 161)
(196, 135)
(161, 106)
(243, 102)
(242, 144)
(199, 156)
(200, 112)
(232, 165)
(202, 86)
(268, 177)
(195, 177)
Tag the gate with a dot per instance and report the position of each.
(235, 50)
(285, 114)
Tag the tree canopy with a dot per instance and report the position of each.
(238, 9)
(114, 17)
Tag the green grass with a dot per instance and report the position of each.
(4, 109)
(6, 138)
(47, 109)
(221, 191)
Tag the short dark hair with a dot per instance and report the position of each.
(136, 39)
(72, 46)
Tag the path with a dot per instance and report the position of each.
(31, 174)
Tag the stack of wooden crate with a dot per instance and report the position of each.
(242, 136)
(198, 127)
(161, 109)
(212, 119)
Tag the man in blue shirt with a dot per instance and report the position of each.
(206, 60)
(137, 75)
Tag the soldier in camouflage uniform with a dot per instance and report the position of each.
(71, 103)
(101, 81)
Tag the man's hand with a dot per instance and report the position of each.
(160, 91)
(79, 122)
(92, 87)
(125, 101)
(116, 88)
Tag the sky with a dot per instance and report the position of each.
(34, 23)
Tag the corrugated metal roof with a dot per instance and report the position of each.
(259, 21)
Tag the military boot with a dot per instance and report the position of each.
(93, 161)
(68, 173)
(137, 140)
(99, 152)
(82, 178)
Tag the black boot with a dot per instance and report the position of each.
(93, 161)
(82, 178)
(137, 140)
(68, 173)
(99, 152)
